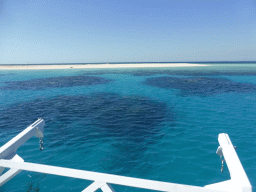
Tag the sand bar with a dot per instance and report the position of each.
(95, 66)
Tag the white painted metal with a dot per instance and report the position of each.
(94, 186)
(107, 188)
(8, 158)
(12, 172)
(236, 170)
(224, 185)
(103, 177)
(8, 151)
(99, 185)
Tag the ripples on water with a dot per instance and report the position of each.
(54, 82)
(177, 72)
(201, 86)
(6, 74)
(131, 122)
(195, 73)
(132, 118)
(153, 134)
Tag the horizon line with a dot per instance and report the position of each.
(84, 63)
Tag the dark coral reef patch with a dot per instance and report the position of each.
(131, 122)
(200, 86)
(194, 73)
(54, 82)
(116, 115)
(7, 74)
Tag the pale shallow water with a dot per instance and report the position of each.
(117, 121)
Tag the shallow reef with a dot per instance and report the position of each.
(101, 72)
(7, 74)
(116, 115)
(200, 86)
(131, 121)
(194, 73)
(54, 82)
(174, 72)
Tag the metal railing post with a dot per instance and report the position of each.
(8, 151)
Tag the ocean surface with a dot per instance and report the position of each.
(152, 123)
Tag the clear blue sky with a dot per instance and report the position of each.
(87, 31)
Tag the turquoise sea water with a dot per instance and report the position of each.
(159, 123)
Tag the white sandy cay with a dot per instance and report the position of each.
(95, 66)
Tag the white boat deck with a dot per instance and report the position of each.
(239, 181)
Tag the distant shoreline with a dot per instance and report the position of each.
(96, 66)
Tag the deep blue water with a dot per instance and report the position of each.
(159, 123)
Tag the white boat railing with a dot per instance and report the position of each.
(239, 181)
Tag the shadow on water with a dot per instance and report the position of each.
(129, 123)
(200, 86)
(54, 82)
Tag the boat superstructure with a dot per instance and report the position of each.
(239, 181)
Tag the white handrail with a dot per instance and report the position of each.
(12, 172)
(239, 181)
(236, 170)
(8, 151)
(102, 177)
